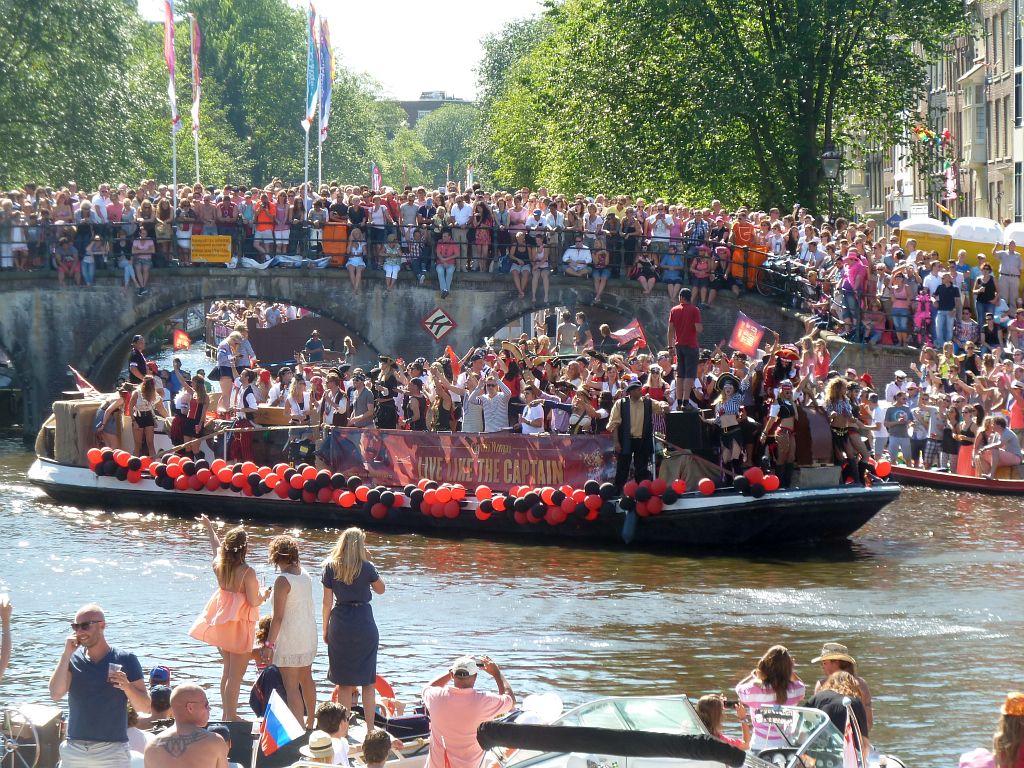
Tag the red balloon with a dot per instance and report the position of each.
(754, 475)
(437, 509)
(181, 483)
(566, 489)
(679, 486)
(443, 495)
(883, 468)
(545, 495)
(324, 495)
(147, 461)
(175, 459)
(482, 491)
(212, 484)
(272, 480)
(579, 495)
(282, 490)
(362, 492)
(247, 491)
(347, 499)
(263, 472)
(134, 477)
(121, 458)
(378, 511)
(422, 483)
(307, 497)
(204, 475)
(174, 471)
(641, 508)
(481, 515)
(519, 517)
(592, 515)
(459, 492)
(217, 465)
(399, 501)
(248, 468)
(658, 487)
(593, 502)
(94, 455)
(224, 474)
(451, 509)
(771, 482)
(646, 484)
(498, 502)
(568, 505)
(309, 473)
(629, 489)
(238, 480)
(514, 491)
(430, 496)
(655, 505)
(195, 483)
(555, 516)
(706, 486)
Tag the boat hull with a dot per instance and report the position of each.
(725, 520)
(953, 482)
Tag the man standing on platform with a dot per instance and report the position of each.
(631, 424)
(99, 682)
(684, 329)
(1009, 273)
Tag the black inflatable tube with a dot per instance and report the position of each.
(560, 738)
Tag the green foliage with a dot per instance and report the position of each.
(446, 134)
(693, 98)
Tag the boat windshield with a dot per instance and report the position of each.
(659, 714)
(818, 743)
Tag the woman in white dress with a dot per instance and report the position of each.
(292, 639)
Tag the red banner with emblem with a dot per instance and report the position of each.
(395, 458)
(746, 335)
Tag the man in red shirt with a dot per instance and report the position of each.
(684, 329)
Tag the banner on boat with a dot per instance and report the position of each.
(396, 458)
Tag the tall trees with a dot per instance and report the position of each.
(698, 97)
(446, 134)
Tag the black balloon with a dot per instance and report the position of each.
(741, 484)
(188, 468)
(107, 455)
(122, 473)
(627, 503)
(643, 493)
(757, 490)
(134, 464)
(309, 486)
(486, 505)
(608, 508)
(416, 495)
(294, 493)
(557, 498)
(109, 468)
(354, 482)
(372, 497)
(532, 499)
(262, 488)
(520, 505)
(202, 464)
(607, 491)
(670, 496)
(289, 474)
(407, 490)
(387, 499)
(581, 509)
(591, 487)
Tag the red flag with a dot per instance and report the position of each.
(180, 340)
(82, 384)
(640, 343)
(456, 368)
(746, 335)
(627, 334)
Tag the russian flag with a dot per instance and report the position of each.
(279, 725)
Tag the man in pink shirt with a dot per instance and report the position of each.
(855, 273)
(457, 710)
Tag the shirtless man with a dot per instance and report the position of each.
(186, 744)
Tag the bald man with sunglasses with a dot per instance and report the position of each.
(100, 682)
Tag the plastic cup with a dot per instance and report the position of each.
(112, 669)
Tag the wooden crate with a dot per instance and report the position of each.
(270, 416)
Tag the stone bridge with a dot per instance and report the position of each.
(44, 328)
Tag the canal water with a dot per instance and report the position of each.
(929, 597)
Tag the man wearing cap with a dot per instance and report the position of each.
(360, 401)
(314, 348)
(836, 657)
(160, 706)
(898, 384)
(456, 711)
(187, 743)
(279, 390)
(137, 363)
(631, 424)
(898, 418)
(100, 682)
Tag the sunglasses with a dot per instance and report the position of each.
(84, 625)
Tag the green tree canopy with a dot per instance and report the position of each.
(446, 134)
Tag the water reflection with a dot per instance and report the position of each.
(927, 597)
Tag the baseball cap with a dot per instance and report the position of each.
(633, 384)
(464, 666)
(136, 338)
(159, 675)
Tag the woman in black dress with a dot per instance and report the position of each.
(385, 390)
(349, 628)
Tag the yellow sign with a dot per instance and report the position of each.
(214, 249)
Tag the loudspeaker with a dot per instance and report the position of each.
(684, 429)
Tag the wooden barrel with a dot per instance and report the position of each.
(335, 243)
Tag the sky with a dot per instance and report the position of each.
(410, 46)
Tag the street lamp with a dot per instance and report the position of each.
(831, 159)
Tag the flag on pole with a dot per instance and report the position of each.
(197, 44)
(448, 174)
(279, 725)
(82, 384)
(469, 176)
(326, 77)
(456, 368)
(170, 57)
(629, 333)
(850, 759)
(312, 68)
(180, 340)
(746, 335)
(375, 179)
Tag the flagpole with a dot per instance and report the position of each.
(195, 127)
(174, 166)
(319, 152)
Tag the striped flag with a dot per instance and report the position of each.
(279, 725)
(312, 68)
(170, 57)
(627, 334)
(326, 77)
(197, 44)
(375, 178)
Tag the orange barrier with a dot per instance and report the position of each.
(335, 243)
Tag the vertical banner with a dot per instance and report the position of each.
(170, 58)
(375, 178)
(746, 335)
(197, 44)
(326, 77)
(469, 176)
(312, 68)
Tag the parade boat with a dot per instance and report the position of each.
(538, 487)
(1010, 485)
(665, 732)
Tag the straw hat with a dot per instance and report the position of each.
(513, 349)
(320, 745)
(834, 652)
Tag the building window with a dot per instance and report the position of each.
(1018, 192)
(1007, 136)
(1018, 99)
(1016, 34)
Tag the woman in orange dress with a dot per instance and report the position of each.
(229, 620)
(742, 238)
